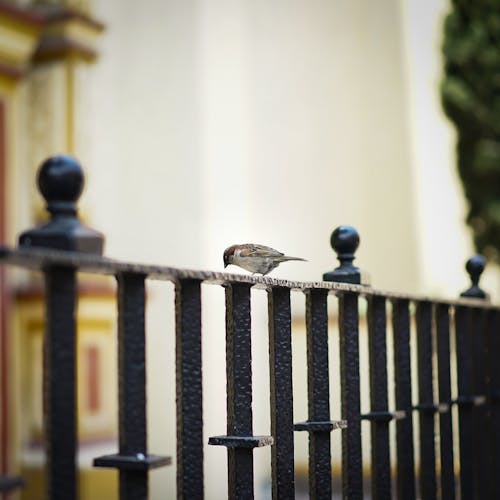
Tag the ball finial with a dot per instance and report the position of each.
(60, 181)
(475, 267)
(345, 242)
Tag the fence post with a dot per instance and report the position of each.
(60, 180)
(345, 242)
(471, 378)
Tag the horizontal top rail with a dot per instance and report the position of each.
(39, 259)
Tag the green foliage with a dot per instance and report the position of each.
(470, 93)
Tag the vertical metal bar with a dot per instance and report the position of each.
(190, 484)
(280, 370)
(320, 473)
(404, 427)
(428, 484)
(132, 382)
(479, 412)
(445, 419)
(465, 406)
(352, 467)
(381, 465)
(59, 383)
(239, 389)
(494, 396)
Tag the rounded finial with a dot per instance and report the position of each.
(60, 181)
(475, 267)
(345, 240)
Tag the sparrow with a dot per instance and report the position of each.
(255, 258)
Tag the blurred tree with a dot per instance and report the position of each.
(470, 93)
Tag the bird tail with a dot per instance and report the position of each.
(284, 258)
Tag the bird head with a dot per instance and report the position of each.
(228, 255)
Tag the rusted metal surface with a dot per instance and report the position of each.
(239, 440)
(189, 390)
(381, 463)
(133, 460)
(36, 258)
(405, 455)
(442, 322)
(320, 482)
(352, 466)
(281, 393)
(59, 383)
(426, 407)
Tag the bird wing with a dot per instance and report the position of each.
(254, 250)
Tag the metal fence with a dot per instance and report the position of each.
(471, 323)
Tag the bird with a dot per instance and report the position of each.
(255, 258)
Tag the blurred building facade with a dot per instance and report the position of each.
(203, 123)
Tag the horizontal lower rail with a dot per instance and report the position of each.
(241, 441)
(136, 462)
(9, 483)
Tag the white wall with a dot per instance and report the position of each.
(226, 121)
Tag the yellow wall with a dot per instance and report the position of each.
(95, 484)
(97, 430)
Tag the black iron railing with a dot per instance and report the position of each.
(471, 321)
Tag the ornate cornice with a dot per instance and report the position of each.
(20, 30)
(20, 14)
(67, 32)
(44, 33)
